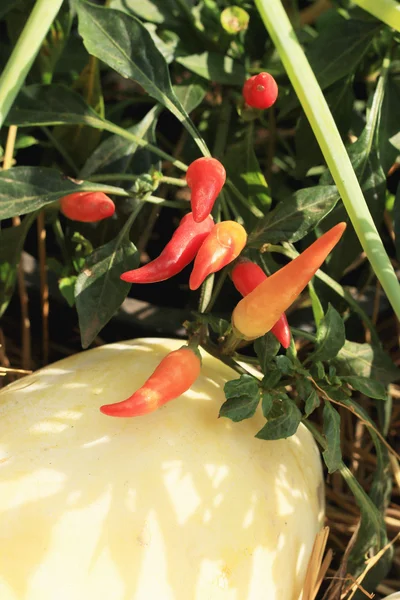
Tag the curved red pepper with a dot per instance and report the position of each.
(87, 207)
(260, 91)
(246, 276)
(221, 247)
(175, 374)
(177, 254)
(205, 177)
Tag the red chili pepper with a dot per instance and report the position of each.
(257, 312)
(221, 246)
(260, 91)
(177, 254)
(246, 276)
(205, 177)
(175, 374)
(87, 207)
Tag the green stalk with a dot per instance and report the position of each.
(325, 130)
(387, 11)
(25, 52)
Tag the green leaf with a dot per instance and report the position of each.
(389, 126)
(125, 45)
(331, 428)
(242, 398)
(214, 67)
(283, 423)
(368, 387)
(331, 336)
(26, 189)
(266, 347)
(190, 95)
(267, 403)
(7, 5)
(271, 378)
(337, 51)
(284, 364)
(155, 11)
(366, 361)
(114, 154)
(80, 141)
(12, 241)
(292, 219)
(308, 394)
(99, 291)
(67, 288)
(244, 170)
(340, 99)
(396, 220)
(52, 105)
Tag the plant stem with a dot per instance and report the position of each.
(25, 52)
(222, 129)
(217, 289)
(163, 202)
(142, 143)
(325, 130)
(387, 11)
(303, 334)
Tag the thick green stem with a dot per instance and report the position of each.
(25, 52)
(325, 130)
(387, 11)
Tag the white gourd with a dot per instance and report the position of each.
(174, 505)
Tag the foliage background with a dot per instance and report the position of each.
(107, 104)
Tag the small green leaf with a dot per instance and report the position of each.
(191, 94)
(331, 428)
(214, 67)
(284, 364)
(271, 378)
(308, 395)
(115, 153)
(99, 291)
(331, 336)
(368, 387)
(292, 219)
(363, 360)
(243, 397)
(283, 423)
(266, 348)
(67, 288)
(267, 403)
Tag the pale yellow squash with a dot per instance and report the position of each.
(175, 505)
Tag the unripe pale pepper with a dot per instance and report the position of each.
(260, 91)
(175, 374)
(205, 177)
(177, 254)
(221, 247)
(87, 207)
(246, 276)
(256, 314)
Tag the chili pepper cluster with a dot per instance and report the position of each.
(211, 246)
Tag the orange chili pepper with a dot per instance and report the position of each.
(222, 245)
(256, 314)
(246, 276)
(87, 207)
(175, 374)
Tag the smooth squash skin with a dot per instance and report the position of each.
(174, 505)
